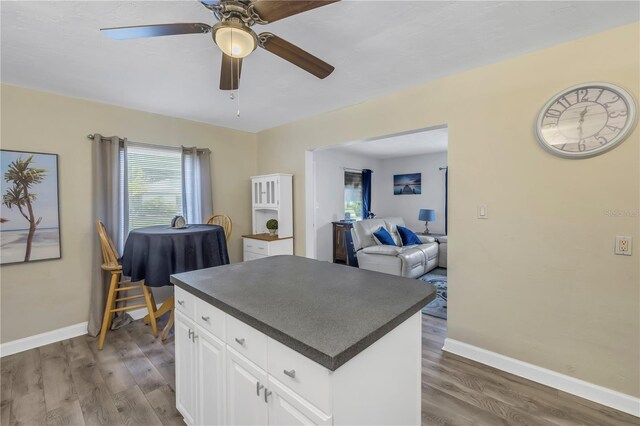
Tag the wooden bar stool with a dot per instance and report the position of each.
(110, 263)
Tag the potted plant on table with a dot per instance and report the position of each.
(272, 226)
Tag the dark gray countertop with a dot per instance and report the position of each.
(327, 312)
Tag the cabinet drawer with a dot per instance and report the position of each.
(252, 256)
(305, 377)
(210, 318)
(185, 302)
(256, 246)
(247, 341)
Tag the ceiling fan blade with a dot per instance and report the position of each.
(210, 4)
(295, 55)
(273, 10)
(230, 73)
(140, 31)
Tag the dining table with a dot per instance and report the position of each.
(152, 254)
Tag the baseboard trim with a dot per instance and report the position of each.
(586, 390)
(48, 337)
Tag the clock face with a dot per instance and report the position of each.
(586, 120)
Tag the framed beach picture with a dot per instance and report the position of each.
(30, 213)
(408, 184)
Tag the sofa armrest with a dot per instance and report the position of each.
(382, 249)
(426, 239)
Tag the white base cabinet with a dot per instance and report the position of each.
(257, 249)
(230, 373)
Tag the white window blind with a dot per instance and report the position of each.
(154, 184)
(353, 194)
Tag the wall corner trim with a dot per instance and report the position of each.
(581, 388)
(42, 339)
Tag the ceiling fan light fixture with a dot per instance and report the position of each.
(234, 39)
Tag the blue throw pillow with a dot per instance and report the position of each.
(408, 237)
(384, 237)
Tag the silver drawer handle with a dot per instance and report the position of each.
(260, 248)
(258, 388)
(267, 392)
(290, 373)
(181, 302)
(205, 318)
(240, 341)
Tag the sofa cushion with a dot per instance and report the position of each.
(430, 250)
(382, 236)
(408, 237)
(364, 230)
(392, 223)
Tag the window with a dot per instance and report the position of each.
(154, 185)
(353, 194)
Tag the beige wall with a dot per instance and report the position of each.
(538, 280)
(43, 296)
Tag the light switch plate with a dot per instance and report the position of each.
(483, 213)
(623, 246)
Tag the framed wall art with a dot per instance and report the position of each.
(407, 184)
(30, 212)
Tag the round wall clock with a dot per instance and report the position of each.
(586, 120)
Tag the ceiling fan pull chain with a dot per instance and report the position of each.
(238, 112)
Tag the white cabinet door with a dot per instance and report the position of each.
(185, 362)
(245, 391)
(287, 408)
(211, 379)
(260, 192)
(271, 189)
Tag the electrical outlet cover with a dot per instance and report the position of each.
(623, 246)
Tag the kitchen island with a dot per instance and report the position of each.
(290, 340)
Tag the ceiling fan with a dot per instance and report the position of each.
(234, 36)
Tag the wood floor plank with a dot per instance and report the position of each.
(5, 412)
(460, 411)
(7, 368)
(481, 400)
(154, 350)
(163, 401)
(27, 373)
(435, 415)
(67, 414)
(115, 373)
(141, 368)
(96, 402)
(28, 409)
(134, 408)
(56, 375)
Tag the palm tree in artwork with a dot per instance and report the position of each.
(23, 177)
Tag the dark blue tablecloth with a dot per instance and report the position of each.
(154, 253)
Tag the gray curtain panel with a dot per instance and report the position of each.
(109, 206)
(196, 185)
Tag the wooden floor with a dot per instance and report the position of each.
(131, 381)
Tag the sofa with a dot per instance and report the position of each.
(410, 261)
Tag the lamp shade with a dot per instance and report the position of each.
(234, 39)
(427, 215)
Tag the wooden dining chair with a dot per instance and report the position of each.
(224, 221)
(110, 263)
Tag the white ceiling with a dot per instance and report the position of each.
(405, 145)
(377, 47)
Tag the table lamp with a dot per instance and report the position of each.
(428, 216)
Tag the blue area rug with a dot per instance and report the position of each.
(438, 307)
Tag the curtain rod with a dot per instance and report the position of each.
(182, 147)
(355, 170)
(92, 137)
